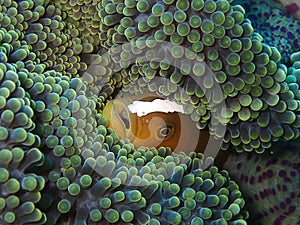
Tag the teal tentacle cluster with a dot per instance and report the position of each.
(57, 43)
(84, 19)
(54, 42)
(19, 144)
(20, 191)
(187, 41)
(292, 78)
(16, 112)
(48, 111)
(42, 114)
(272, 21)
(270, 182)
(64, 115)
(118, 184)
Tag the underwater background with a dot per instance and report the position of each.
(234, 65)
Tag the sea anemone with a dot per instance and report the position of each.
(61, 62)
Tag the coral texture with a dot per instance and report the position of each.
(273, 180)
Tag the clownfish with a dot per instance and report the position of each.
(155, 127)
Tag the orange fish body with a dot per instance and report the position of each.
(175, 130)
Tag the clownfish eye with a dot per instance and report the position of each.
(164, 131)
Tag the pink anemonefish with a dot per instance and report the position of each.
(175, 130)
